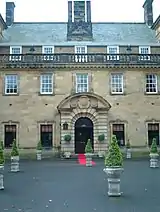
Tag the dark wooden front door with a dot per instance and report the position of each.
(83, 132)
(153, 132)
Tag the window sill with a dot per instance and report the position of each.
(119, 94)
(6, 94)
(149, 94)
(46, 94)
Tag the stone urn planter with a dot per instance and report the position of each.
(1, 167)
(154, 156)
(128, 150)
(39, 151)
(67, 155)
(88, 153)
(113, 168)
(14, 157)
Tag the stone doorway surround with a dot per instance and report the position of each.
(88, 105)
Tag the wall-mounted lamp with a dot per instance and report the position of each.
(65, 126)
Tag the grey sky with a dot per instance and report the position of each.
(102, 10)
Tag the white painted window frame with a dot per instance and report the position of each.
(111, 57)
(5, 84)
(122, 82)
(156, 77)
(15, 58)
(144, 58)
(41, 80)
(48, 57)
(85, 1)
(76, 75)
(80, 58)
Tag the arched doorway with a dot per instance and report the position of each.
(83, 132)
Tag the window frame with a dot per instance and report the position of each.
(80, 58)
(122, 82)
(145, 58)
(146, 83)
(111, 57)
(5, 84)
(47, 57)
(13, 58)
(80, 83)
(41, 80)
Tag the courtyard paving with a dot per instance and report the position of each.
(66, 186)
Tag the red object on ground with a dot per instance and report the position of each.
(82, 159)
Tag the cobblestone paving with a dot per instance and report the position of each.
(66, 186)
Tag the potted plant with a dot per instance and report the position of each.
(14, 157)
(128, 150)
(1, 167)
(2, 145)
(39, 150)
(88, 153)
(67, 138)
(154, 154)
(113, 167)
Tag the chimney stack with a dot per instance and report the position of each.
(148, 12)
(10, 13)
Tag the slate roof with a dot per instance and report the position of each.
(56, 34)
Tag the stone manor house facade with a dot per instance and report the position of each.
(64, 83)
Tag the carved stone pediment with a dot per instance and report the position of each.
(79, 29)
(84, 101)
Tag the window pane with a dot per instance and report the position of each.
(11, 84)
(116, 83)
(46, 83)
(151, 83)
(82, 83)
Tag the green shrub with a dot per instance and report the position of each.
(14, 151)
(2, 145)
(1, 155)
(154, 146)
(67, 138)
(88, 147)
(39, 145)
(101, 137)
(113, 157)
(128, 145)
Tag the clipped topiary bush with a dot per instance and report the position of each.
(1, 155)
(39, 145)
(14, 151)
(67, 138)
(154, 146)
(114, 156)
(101, 137)
(88, 148)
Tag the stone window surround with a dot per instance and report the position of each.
(152, 121)
(81, 84)
(111, 57)
(11, 52)
(40, 82)
(17, 83)
(43, 52)
(45, 122)
(150, 93)
(117, 73)
(10, 122)
(141, 48)
(119, 121)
